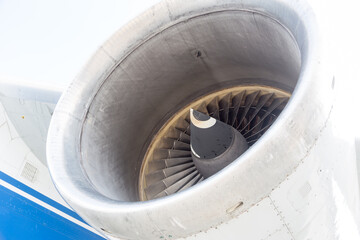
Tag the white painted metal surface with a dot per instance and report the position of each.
(15, 155)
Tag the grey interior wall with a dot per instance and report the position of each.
(166, 71)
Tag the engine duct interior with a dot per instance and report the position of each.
(119, 126)
(176, 66)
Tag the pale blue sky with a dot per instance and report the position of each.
(49, 41)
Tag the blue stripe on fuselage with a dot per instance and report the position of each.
(21, 218)
(39, 196)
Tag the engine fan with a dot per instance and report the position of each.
(168, 166)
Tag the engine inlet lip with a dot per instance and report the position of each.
(81, 196)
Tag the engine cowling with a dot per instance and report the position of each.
(109, 125)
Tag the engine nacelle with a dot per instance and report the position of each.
(172, 56)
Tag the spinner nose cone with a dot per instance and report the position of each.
(214, 144)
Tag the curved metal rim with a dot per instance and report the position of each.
(87, 201)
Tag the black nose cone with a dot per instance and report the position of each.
(214, 144)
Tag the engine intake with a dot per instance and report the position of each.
(109, 125)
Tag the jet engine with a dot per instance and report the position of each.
(192, 114)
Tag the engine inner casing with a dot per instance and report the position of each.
(235, 47)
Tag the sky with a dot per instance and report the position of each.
(48, 42)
